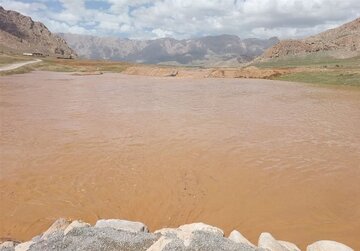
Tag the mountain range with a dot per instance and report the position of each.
(20, 34)
(204, 51)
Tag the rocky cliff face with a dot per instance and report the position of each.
(224, 50)
(20, 34)
(343, 41)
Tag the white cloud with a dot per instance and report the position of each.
(23, 7)
(162, 33)
(189, 18)
(61, 27)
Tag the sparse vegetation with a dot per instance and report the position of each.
(21, 70)
(10, 59)
(311, 60)
(65, 65)
(62, 65)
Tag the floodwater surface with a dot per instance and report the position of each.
(252, 155)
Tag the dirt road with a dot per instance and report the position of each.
(18, 65)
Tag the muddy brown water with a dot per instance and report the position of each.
(252, 155)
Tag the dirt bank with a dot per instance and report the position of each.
(248, 72)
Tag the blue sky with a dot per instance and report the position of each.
(149, 19)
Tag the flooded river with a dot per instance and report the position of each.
(252, 155)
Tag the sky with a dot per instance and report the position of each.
(151, 19)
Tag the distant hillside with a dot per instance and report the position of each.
(19, 34)
(341, 42)
(224, 50)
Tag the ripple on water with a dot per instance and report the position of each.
(248, 154)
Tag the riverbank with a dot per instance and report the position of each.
(114, 234)
(307, 70)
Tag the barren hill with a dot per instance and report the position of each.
(222, 50)
(19, 34)
(341, 42)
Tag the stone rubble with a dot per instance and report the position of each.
(114, 234)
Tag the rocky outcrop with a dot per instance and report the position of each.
(343, 41)
(20, 34)
(127, 236)
(222, 50)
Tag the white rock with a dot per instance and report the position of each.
(75, 224)
(59, 225)
(267, 241)
(237, 237)
(160, 244)
(201, 227)
(185, 232)
(25, 246)
(124, 225)
(7, 244)
(328, 246)
(184, 235)
(166, 231)
(290, 246)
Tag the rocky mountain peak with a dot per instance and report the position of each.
(20, 34)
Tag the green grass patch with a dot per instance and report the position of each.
(331, 78)
(312, 60)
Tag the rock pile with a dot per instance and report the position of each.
(127, 235)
